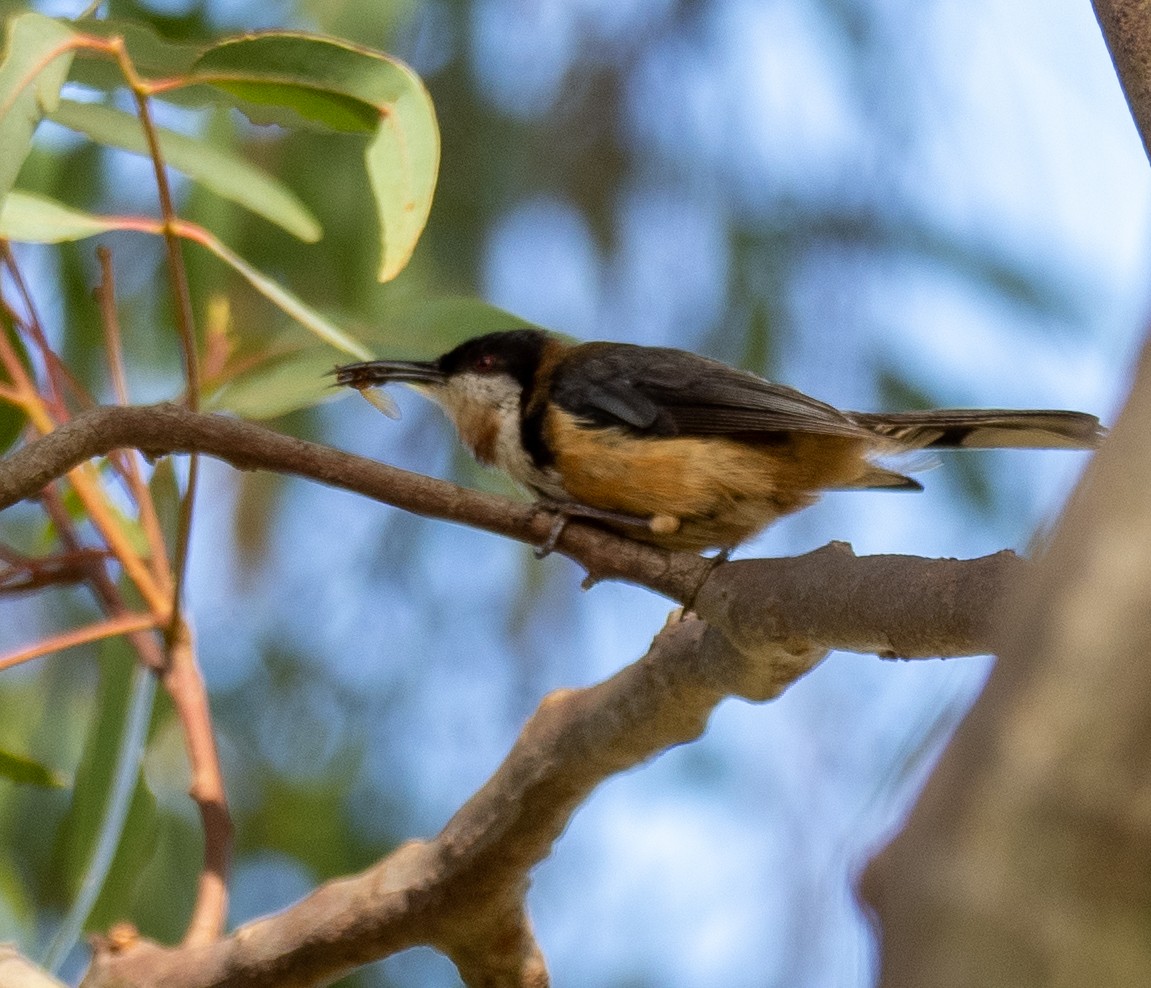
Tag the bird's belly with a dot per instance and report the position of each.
(719, 490)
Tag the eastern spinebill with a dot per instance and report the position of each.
(676, 449)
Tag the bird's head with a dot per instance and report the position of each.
(480, 384)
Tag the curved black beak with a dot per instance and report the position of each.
(373, 373)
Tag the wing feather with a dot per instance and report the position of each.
(661, 391)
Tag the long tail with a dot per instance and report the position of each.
(993, 428)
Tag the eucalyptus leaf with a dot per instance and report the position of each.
(317, 324)
(39, 220)
(346, 87)
(226, 174)
(103, 761)
(278, 386)
(36, 63)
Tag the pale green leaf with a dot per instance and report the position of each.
(224, 173)
(40, 220)
(278, 386)
(276, 293)
(412, 325)
(348, 88)
(108, 833)
(36, 62)
(403, 161)
(37, 219)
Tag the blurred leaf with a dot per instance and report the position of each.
(25, 771)
(12, 417)
(36, 63)
(36, 219)
(349, 88)
(276, 293)
(420, 326)
(39, 220)
(165, 492)
(321, 80)
(898, 394)
(94, 781)
(299, 378)
(152, 55)
(224, 173)
(278, 385)
(256, 520)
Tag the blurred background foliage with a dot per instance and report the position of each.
(887, 203)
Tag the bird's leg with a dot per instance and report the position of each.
(564, 511)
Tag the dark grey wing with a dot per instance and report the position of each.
(666, 392)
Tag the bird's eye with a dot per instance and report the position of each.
(485, 363)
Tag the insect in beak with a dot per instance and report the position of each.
(366, 377)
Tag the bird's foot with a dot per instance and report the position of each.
(565, 511)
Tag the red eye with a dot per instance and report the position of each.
(485, 363)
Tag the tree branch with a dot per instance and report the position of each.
(768, 621)
(897, 606)
(463, 891)
(1025, 860)
(1126, 26)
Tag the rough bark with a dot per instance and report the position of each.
(1027, 861)
(1126, 26)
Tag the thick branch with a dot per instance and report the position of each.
(767, 623)
(1025, 862)
(894, 605)
(1126, 27)
(463, 891)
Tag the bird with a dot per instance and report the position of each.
(676, 449)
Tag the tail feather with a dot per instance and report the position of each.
(963, 428)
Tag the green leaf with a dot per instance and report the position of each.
(323, 80)
(12, 417)
(224, 173)
(36, 63)
(152, 55)
(276, 293)
(299, 378)
(278, 386)
(403, 161)
(25, 771)
(347, 88)
(39, 220)
(95, 779)
(165, 491)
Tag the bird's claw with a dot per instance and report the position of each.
(547, 546)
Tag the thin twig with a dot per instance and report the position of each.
(110, 319)
(185, 320)
(185, 685)
(85, 481)
(27, 573)
(103, 587)
(108, 628)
